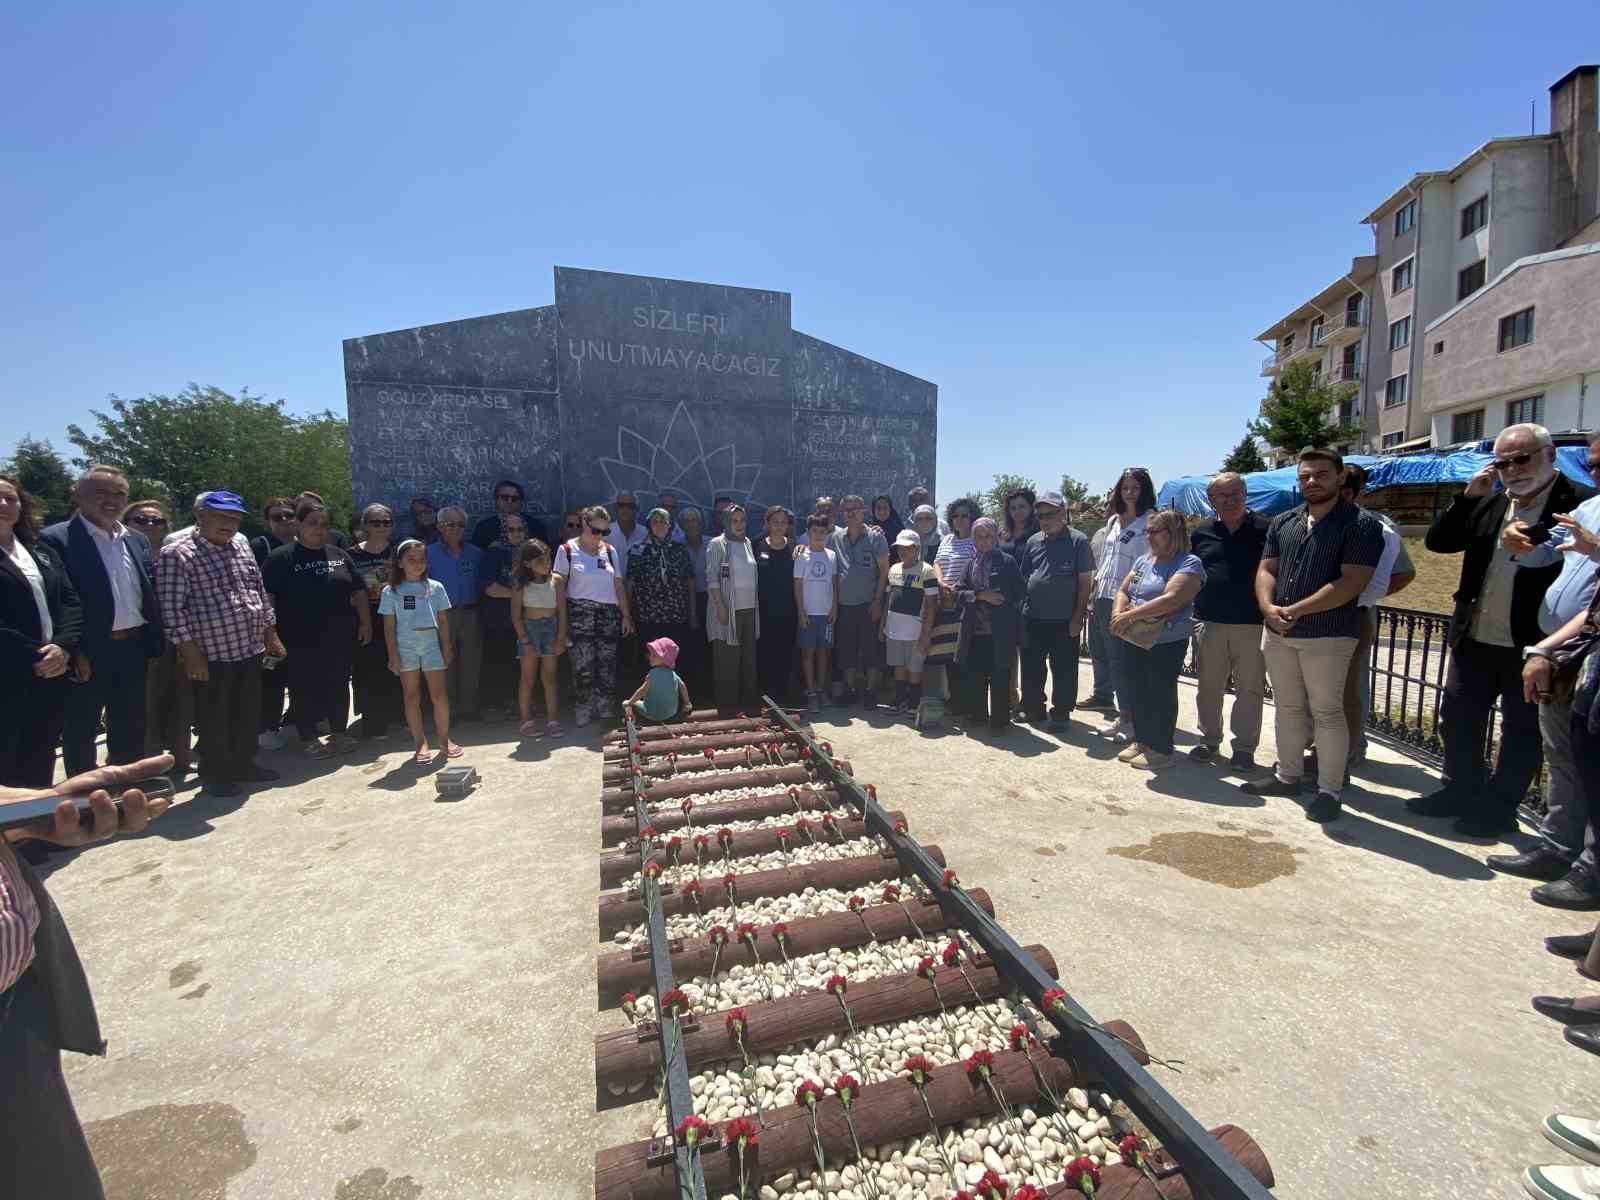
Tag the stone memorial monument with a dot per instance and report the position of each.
(637, 383)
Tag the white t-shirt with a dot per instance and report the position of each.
(588, 576)
(1378, 587)
(623, 542)
(742, 564)
(817, 568)
(30, 571)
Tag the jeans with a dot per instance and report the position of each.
(1114, 646)
(116, 688)
(465, 628)
(1100, 649)
(1478, 675)
(1152, 677)
(1050, 640)
(227, 715)
(1308, 677)
(1221, 651)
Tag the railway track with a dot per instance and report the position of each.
(809, 1001)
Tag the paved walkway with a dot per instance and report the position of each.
(344, 989)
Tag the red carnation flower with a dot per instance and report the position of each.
(783, 835)
(837, 985)
(1083, 1173)
(674, 1002)
(1026, 1191)
(925, 967)
(724, 836)
(808, 1093)
(780, 933)
(630, 1003)
(847, 1088)
(963, 1194)
(951, 954)
(992, 1187)
(648, 832)
(803, 824)
(692, 1130)
(829, 821)
(900, 825)
(1132, 1150)
(891, 893)
(870, 790)
(717, 935)
(855, 904)
(729, 883)
(979, 1065)
(736, 1022)
(742, 1132)
(747, 931)
(710, 757)
(1020, 1036)
(674, 845)
(652, 870)
(701, 842)
(805, 751)
(1053, 999)
(688, 803)
(950, 877)
(693, 887)
(920, 1067)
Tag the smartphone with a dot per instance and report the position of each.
(1539, 534)
(26, 812)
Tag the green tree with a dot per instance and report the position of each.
(1300, 410)
(1074, 491)
(44, 473)
(1245, 457)
(994, 500)
(204, 438)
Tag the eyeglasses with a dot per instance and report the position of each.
(147, 521)
(452, 525)
(600, 532)
(378, 521)
(1514, 460)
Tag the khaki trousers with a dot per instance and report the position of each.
(1221, 651)
(1308, 677)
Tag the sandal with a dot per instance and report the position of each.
(422, 757)
(452, 750)
(529, 729)
(553, 729)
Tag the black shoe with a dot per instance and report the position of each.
(1561, 1008)
(468, 718)
(222, 789)
(1584, 1037)
(1242, 760)
(846, 699)
(1575, 946)
(256, 774)
(869, 700)
(1203, 753)
(1577, 892)
(1446, 802)
(1309, 766)
(1485, 825)
(1270, 786)
(999, 728)
(1036, 718)
(1058, 725)
(1099, 703)
(1538, 863)
(1326, 807)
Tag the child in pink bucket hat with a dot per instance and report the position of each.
(663, 695)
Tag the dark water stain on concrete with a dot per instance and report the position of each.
(374, 1184)
(1367, 1142)
(155, 879)
(305, 810)
(197, 993)
(348, 1125)
(171, 1150)
(1059, 846)
(143, 868)
(185, 972)
(1229, 826)
(1233, 860)
(1046, 851)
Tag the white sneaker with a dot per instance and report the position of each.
(1578, 1136)
(1110, 728)
(1123, 733)
(271, 739)
(1562, 1183)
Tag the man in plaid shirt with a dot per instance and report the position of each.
(217, 613)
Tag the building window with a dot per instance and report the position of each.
(1469, 280)
(1394, 392)
(1405, 218)
(1316, 332)
(1400, 278)
(1400, 334)
(1516, 330)
(1527, 411)
(1467, 426)
(1391, 440)
(1475, 216)
(1438, 348)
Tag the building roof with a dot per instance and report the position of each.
(1583, 69)
(1362, 269)
(1532, 260)
(1399, 195)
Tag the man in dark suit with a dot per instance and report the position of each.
(1496, 616)
(110, 566)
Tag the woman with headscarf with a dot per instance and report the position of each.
(661, 581)
(991, 596)
(884, 516)
(925, 520)
(733, 619)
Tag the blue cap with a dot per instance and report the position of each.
(223, 502)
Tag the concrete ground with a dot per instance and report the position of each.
(346, 989)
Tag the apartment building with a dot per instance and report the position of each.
(1330, 332)
(1440, 240)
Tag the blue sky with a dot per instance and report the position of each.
(1073, 219)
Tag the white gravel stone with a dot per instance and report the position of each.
(799, 854)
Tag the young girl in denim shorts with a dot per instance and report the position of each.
(541, 635)
(415, 628)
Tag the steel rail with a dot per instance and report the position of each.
(1210, 1170)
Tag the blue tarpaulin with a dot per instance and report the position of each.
(1273, 492)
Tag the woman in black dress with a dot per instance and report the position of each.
(377, 689)
(780, 620)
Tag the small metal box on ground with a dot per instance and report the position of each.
(456, 782)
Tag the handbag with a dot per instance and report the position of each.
(1143, 632)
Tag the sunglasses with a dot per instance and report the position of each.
(1514, 460)
(600, 532)
(378, 521)
(279, 517)
(147, 521)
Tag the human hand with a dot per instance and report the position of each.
(1582, 541)
(194, 662)
(394, 665)
(875, 611)
(1514, 537)
(991, 596)
(561, 645)
(627, 625)
(1278, 619)
(1537, 672)
(924, 644)
(81, 668)
(1483, 482)
(63, 827)
(50, 661)
(364, 633)
(1120, 622)
(275, 646)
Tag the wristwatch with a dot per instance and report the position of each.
(1535, 652)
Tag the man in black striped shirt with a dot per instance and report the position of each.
(1317, 560)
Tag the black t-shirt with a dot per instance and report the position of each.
(311, 593)
(373, 570)
(775, 581)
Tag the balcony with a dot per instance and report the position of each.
(1346, 328)
(1286, 355)
(1343, 374)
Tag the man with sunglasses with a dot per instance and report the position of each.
(1496, 615)
(626, 532)
(424, 521)
(508, 498)
(1562, 858)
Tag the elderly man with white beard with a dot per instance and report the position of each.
(1496, 617)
